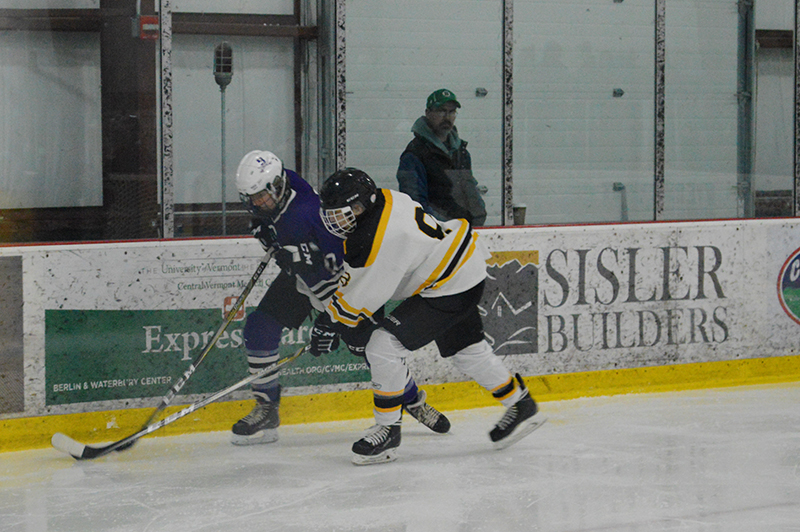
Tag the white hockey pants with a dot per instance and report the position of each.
(387, 359)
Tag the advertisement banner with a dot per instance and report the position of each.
(101, 355)
(573, 299)
(118, 323)
(606, 298)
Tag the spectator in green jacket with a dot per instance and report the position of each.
(436, 168)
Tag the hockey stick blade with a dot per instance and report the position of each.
(65, 444)
(81, 451)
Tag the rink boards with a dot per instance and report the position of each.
(95, 334)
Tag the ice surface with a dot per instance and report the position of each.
(722, 460)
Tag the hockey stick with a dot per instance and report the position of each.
(80, 451)
(167, 399)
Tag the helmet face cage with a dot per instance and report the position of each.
(254, 209)
(340, 221)
(339, 193)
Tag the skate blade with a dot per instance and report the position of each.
(522, 431)
(389, 455)
(444, 429)
(262, 436)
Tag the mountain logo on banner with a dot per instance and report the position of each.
(510, 305)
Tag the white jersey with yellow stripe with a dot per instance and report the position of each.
(405, 252)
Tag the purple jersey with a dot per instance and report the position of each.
(299, 223)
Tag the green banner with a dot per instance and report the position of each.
(101, 355)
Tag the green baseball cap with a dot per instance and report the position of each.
(441, 97)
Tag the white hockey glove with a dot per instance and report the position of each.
(300, 259)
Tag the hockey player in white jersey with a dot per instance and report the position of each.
(395, 251)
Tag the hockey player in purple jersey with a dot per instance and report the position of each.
(287, 221)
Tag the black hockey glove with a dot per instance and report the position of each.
(300, 259)
(265, 234)
(323, 337)
(357, 342)
(357, 338)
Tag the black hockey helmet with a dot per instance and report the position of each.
(341, 193)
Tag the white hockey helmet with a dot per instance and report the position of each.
(262, 183)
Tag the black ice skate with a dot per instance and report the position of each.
(259, 426)
(428, 415)
(518, 420)
(378, 446)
